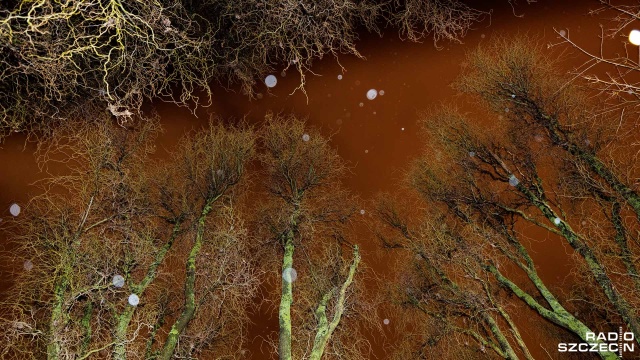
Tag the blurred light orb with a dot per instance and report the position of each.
(556, 221)
(381, 92)
(362, 212)
(134, 300)
(361, 104)
(306, 137)
(270, 81)
(386, 321)
(634, 37)
(372, 94)
(563, 33)
(14, 209)
(340, 77)
(118, 281)
(513, 181)
(28, 265)
(289, 275)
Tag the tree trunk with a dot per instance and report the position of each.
(189, 289)
(284, 313)
(325, 329)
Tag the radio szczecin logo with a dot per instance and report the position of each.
(599, 342)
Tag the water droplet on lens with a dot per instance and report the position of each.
(28, 265)
(118, 281)
(14, 209)
(289, 275)
(134, 300)
(271, 81)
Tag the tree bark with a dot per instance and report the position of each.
(325, 328)
(284, 312)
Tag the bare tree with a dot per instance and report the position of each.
(539, 162)
(517, 78)
(305, 216)
(59, 57)
(101, 241)
(612, 68)
(444, 280)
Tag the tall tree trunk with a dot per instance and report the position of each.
(325, 328)
(189, 288)
(597, 270)
(57, 317)
(123, 320)
(284, 313)
(558, 315)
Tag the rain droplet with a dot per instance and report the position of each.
(381, 92)
(118, 281)
(386, 321)
(506, 110)
(372, 94)
(28, 265)
(557, 221)
(483, 36)
(306, 137)
(134, 300)
(563, 33)
(361, 104)
(513, 96)
(362, 212)
(271, 81)
(14, 209)
(366, 151)
(513, 180)
(289, 275)
(340, 77)
(583, 223)
(402, 129)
